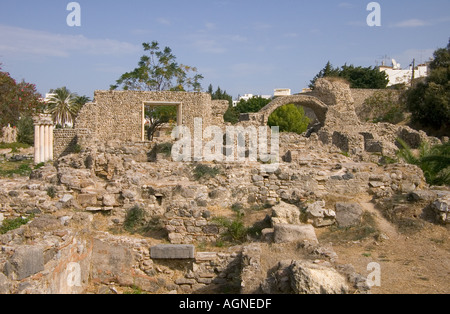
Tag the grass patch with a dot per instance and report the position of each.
(15, 147)
(136, 222)
(13, 224)
(20, 168)
(205, 172)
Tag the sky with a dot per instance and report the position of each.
(243, 46)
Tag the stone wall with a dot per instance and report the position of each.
(118, 114)
(65, 141)
(361, 95)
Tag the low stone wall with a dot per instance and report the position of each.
(65, 141)
(191, 226)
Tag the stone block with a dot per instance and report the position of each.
(87, 199)
(348, 214)
(26, 261)
(109, 200)
(284, 233)
(172, 251)
(308, 278)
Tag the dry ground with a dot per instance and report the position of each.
(413, 263)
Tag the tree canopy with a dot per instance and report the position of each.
(64, 105)
(429, 99)
(253, 104)
(17, 100)
(290, 118)
(158, 70)
(358, 77)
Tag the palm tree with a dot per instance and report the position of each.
(433, 160)
(63, 106)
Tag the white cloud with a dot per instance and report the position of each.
(345, 5)
(31, 43)
(206, 45)
(411, 23)
(163, 21)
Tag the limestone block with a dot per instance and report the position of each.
(309, 278)
(26, 261)
(172, 251)
(284, 233)
(87, 199)
(286, 214)
(348, 214)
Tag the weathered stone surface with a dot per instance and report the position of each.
(309, 278)
(284, 213)
(87, 199)
(441, 207)
(172, 251)
(4, 284)
(111, 262)
(284, 233)
(251, 268)
(319, 216)
(26, 261)
(348, 214)
(109, 200)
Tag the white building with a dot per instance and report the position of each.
(399, 76)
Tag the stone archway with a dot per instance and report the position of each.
(320, 109)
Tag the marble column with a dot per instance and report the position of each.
(43, 138)
(37, 153)
(46, 143)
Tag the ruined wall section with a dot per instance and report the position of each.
(117, 115)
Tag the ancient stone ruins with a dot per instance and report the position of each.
(106, 176)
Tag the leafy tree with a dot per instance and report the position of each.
(63, 106)
(16, 100)
(25, 130)
(157, 116)
(290, 118)
(358, 77)
(254, 104)
(157, 71)
(327, 71)
(429, 99)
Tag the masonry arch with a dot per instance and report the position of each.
(318, 107)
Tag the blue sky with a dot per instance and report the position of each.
(243, 46)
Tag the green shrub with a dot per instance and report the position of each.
(12, 224)
(204, 171)
(236, 232)
(51, 191)
(25, 130)
(290, 118)
(134, 220)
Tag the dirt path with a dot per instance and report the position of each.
(410, 264)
